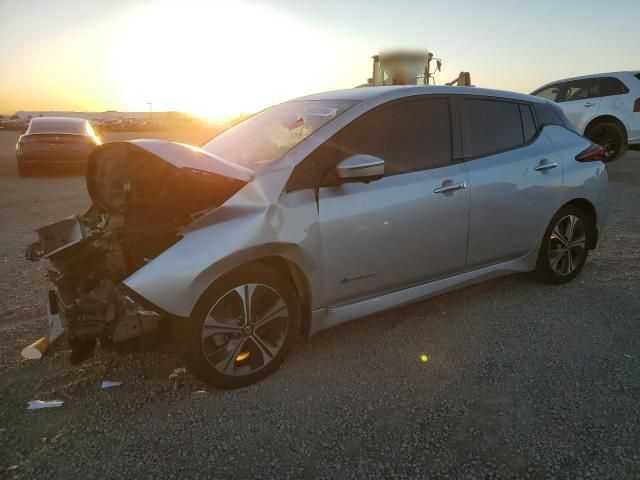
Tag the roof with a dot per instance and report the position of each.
(364, 93)
(69, 120)
(593, 75)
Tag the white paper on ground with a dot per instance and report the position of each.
(38, 404)
(56, 327)
(110, 383)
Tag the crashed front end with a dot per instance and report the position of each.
(143, 192)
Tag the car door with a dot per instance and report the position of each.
(515, 176)
(580, 100)
(411, 225)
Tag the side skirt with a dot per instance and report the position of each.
(328, 317)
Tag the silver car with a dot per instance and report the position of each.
(315, 212)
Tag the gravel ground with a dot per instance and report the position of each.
(523, 380)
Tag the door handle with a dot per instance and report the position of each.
(589, 104)
(545, 165)
(450, 188)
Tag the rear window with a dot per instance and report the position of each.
(637, 75)
(57, 125)
(493, 126)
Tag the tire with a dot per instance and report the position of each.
(24, 171)
(227, 351)
(563, 254)
(611, 136)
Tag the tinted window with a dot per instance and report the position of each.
(637, 75)
(547, 115)
(528, 124)
(550, 92)
(579, 90)
(408, 136)
(612, 86)
(493, 125)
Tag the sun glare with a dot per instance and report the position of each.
(217, 59)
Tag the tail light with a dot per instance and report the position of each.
(636, 105)
(593, 153)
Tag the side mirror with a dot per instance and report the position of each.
(360, 168)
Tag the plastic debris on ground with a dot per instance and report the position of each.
(177, 376)
(110, 384)
(39, 404)
(200, 394)
(36, 349)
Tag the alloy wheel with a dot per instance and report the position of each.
(608, 138)
(567, 245)
(245, 329)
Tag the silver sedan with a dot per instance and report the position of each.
(318, 211)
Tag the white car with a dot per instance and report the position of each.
(604, 107)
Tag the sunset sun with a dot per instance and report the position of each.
(178, 57)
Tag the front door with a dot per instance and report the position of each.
(406, 228)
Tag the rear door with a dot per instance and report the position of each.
(515, 178)
(411, 225)
(580, 100)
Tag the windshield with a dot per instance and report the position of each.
(267, 136)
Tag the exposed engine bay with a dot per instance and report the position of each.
(143, 193)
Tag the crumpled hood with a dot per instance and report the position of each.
(181, 155)
(121, 171)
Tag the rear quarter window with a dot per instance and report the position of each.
(528, 123)
(612, 86)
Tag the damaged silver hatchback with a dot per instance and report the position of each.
(315, 212)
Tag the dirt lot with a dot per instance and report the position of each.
(522, 380)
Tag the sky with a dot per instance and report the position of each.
(222, 58)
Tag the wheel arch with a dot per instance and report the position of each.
(607, 118)
(301, 283)
(590, 211)
(293, 272)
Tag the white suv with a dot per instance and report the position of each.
(604, 107)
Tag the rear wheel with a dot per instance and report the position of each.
(611, 137)
(244, 327)
(564, 248)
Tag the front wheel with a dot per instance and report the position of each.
(244, 326)
(564, 249)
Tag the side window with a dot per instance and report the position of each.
(612, 86)
(528, 124)
(493, 125)
(409, 136)
(580, 90)
(549, 93)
